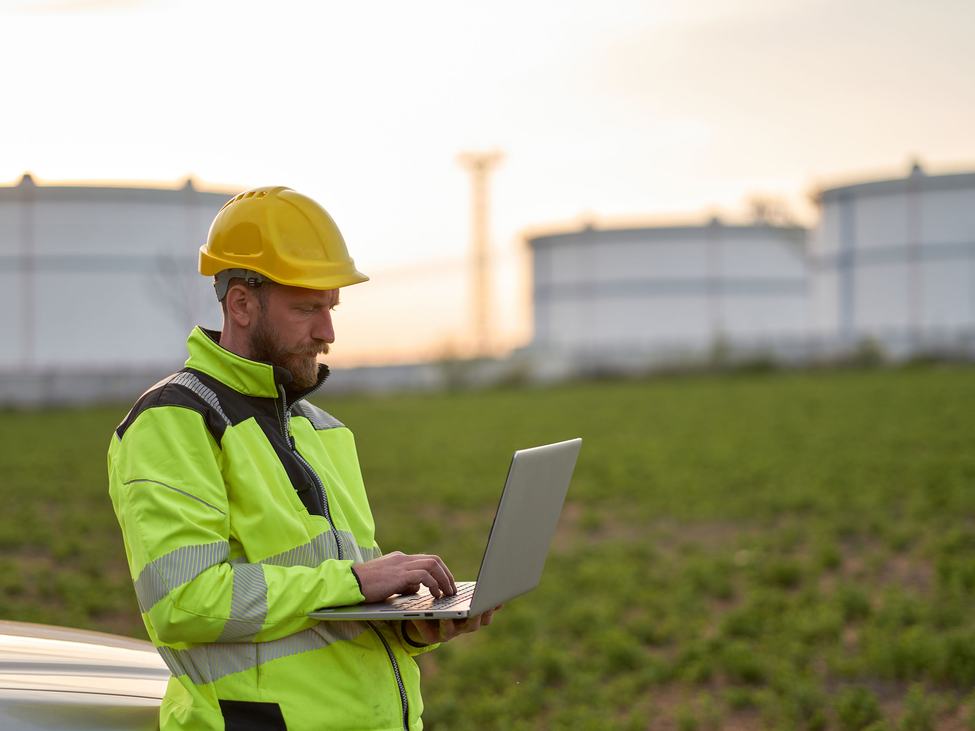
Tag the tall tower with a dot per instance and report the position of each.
(28, 300)
(479, 165)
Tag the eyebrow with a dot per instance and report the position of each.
(315, 303)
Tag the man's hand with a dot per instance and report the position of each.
(399, 573)
(432, 631)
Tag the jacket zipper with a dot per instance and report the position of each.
(404, 702)
(285, 430)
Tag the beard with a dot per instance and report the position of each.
(301, 363)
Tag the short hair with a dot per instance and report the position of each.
(262, 290)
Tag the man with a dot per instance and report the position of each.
(243, 509)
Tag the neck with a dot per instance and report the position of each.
(235, 340)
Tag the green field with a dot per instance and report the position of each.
(777, 551)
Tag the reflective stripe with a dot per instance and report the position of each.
(309, 554)
(194, 384)
(176, 568)
(319, 419)
(368, 554)
(184, 564)
(318, 637)
(248, 604)
(210, 662)
(361, 554)
(181, 492)
(323, 547)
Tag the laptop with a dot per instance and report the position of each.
(517, 546)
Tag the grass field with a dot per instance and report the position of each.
(785, 551)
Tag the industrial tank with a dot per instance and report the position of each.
(678, 289)
(893, 261)
(101, 277)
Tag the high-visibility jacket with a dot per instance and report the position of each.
(243, 509)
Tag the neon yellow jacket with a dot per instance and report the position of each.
(243, 509)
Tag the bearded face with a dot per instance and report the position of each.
(300, 361)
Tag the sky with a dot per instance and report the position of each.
(611, 111)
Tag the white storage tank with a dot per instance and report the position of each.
(893, 261)
(101, 277)
(670, 289)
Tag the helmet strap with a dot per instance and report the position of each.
(221, 280)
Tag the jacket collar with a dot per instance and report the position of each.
(249, 377)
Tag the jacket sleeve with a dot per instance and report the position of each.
(171, 501)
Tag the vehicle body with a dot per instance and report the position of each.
(56, 678)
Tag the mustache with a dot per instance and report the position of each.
(308, 351)
(318, 349)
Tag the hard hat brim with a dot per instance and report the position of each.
(322, 276)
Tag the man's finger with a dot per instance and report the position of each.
(434, 574)
(445, 630)
(428, 634)
(443, 574)
(450, 577)
(471, 624)
(436, 567)
(428, 580)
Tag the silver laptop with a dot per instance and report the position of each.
(517, 546)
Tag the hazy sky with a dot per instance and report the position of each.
(609, 109)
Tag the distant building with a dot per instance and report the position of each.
(101, 277)
(668, 290)
(893, 261)
(98, 289)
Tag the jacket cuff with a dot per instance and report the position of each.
(406, 637)
(357, 580)
(413, 648)
(339, 586)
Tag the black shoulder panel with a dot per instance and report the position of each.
(234, 405)
(184, 388)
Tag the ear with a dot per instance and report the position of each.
(242, 305)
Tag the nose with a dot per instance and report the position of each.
(323, 328)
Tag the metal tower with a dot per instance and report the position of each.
(479, 165)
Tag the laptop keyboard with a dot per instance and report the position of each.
(462, 596)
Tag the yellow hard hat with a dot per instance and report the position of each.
(283, 235)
